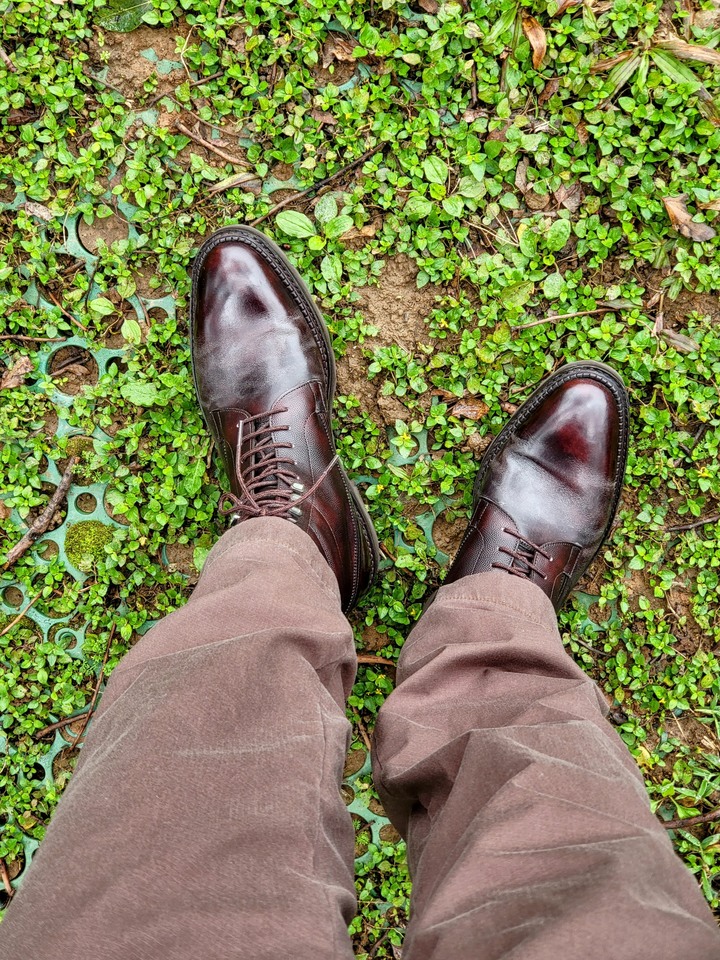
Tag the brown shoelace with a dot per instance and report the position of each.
(268, 485)
(523, 555)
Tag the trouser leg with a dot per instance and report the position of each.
(205, 817)
(529, 831)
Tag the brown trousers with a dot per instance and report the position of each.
(205, 821)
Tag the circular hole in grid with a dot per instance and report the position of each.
(388, 834)
(73, 368)
(109, 229)
(347, 793)
(86, 503)
(363, 836)
(12, 596)
(48, 489)
(354, 761)
(14, 869)
(117, 517)
(64, 762)
(47, 549)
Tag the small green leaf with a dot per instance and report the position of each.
(558, 235)
(435, 169)
(326, 209)
(331, 269)
(295, 224)
(131, 331)
(518, 294)
(122, 16)
(101, 307)
(418, 207)
(140, 393)
(454, 206)
(554, 286)
(338, 226)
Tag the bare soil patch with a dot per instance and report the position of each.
(109, 229)
(128, 69)
(399, 311)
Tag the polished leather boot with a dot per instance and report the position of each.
(265, 377)
(548, 486)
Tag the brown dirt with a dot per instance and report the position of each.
(354, 762)
(109, 229)
(180, 558)
(48, 489)
(73, 368)
(677, 311)
(128, 69)
(374, 641)
(398, 310)
(447, 536)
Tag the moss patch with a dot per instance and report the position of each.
(85, 543)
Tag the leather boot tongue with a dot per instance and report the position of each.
(518, 563)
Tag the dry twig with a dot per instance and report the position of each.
(692, 821)
(693, 526)
(19, 617)
(317, 186)
(59, 724)
(6, 879)
(24, 339)
(372, 658)
(44, 520)
(96, 691)
(209, 145)
(66, 313)
(7, 61)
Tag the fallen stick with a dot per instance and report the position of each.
(39, 527)
(209, 145)
(58, 725)
(691, 821)
(372, 658)
(317, 186)
(6, 879)
(22, 613)
(693, 526)
(7, 61)
(24, 339)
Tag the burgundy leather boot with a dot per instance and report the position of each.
(265, 377)
(548, 486)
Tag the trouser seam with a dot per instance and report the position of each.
(493, 603)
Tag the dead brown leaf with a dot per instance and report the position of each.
(521, 180)
(429, 6)
(39, 210)
(323, 118)
(570, 196)
(15, 376)
(549, 90)
(508, 407)
(365, 232)
(471, 409)
(710, 205)
(566, 4)
(536, 35)
(603, 65)
(474, 113)
(682, 221)
(4, 510)
(679, 341)
(72, 370)
(691, 51)
(337, 48)
(582, 132)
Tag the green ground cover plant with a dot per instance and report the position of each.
(476, 193)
